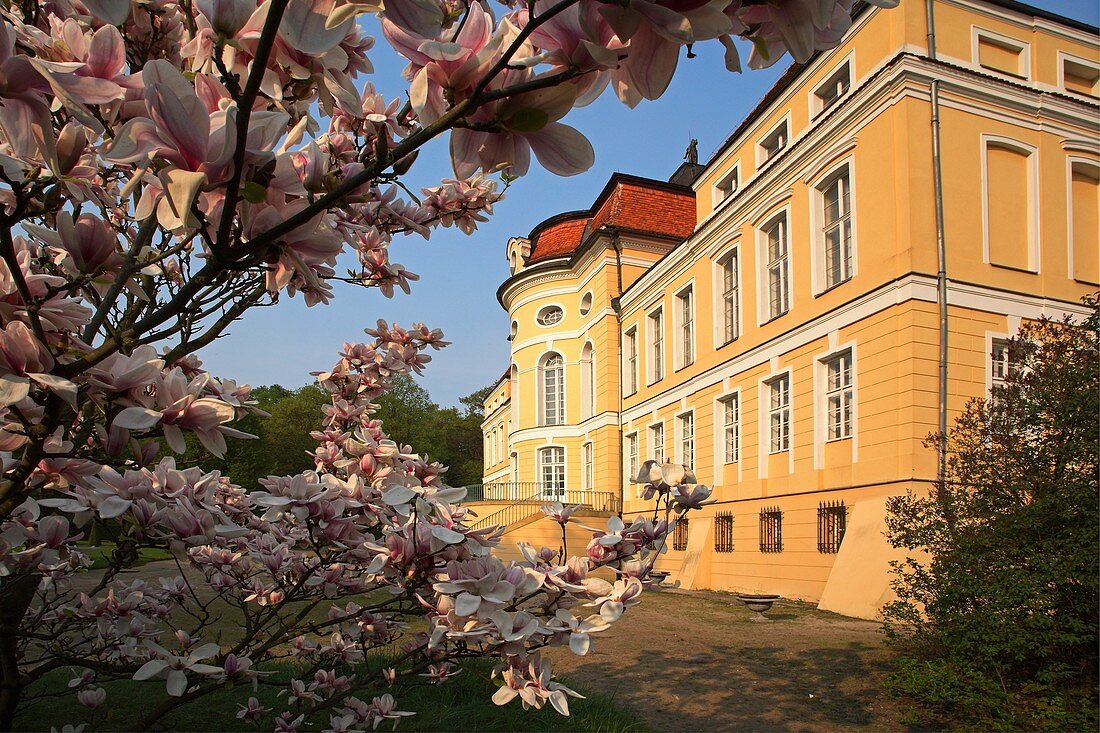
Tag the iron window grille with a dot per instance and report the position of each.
(771, 530)
(680, 535)
(832, 520)
(723, 532)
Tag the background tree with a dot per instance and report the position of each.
(998, 617)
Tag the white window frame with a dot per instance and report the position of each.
(778, 442)
(730, 428)
(685, 439)
(721, 295)
(1063, 59)
(683, 317)
(843, 394)
(655, 328)
(585, 306)
(781, 218)
(1072, 161)
(543, 406)
(1024, 48)
(1033, 209)
(819, 254)
(544, 309)
(630, 454)
(630, 360)
(551, 491)
(588, 466)
(763, 155)
(727, 186)
(588, 380)
(657, 454)
(818, 102)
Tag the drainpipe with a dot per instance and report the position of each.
(941, 249)
(616, 306)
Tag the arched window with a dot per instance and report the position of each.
(513, 392)
(588, 382)
(552, 378)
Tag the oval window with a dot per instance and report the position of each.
(549, 315)
(586, 303)
(514, 331)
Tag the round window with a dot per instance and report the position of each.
(549, 315)
(586, 303)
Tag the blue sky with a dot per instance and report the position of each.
(460, 274)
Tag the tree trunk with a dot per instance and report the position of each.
(16, 594)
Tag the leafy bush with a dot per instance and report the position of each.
(997, 611)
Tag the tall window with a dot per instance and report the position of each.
(778, 265)
(552, 377)
(630, 346)
(589, 467)
(730, 306)
(657, 442)
(1011, 205)
(552, 471)
(837, 230)
(687, 439)
(838, 396)
(779, 414)
(731, 427)
(1084, 210)
(513, 393)
(632, 455)
(1002, 362)
(588, 382)
(686, 328)
(657, 345)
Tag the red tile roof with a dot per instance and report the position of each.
(558, 240)
(630, 203)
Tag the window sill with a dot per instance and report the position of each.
(838, 440)
(727, 343)
(833, 287)
(1012, 268)
(682, 367)
(774, 318)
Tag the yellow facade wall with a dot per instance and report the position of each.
(885, 316)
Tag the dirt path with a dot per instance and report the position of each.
(694, 661)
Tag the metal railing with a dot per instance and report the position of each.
(501, 490)
(604, 501)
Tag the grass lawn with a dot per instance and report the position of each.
(461, 704)
(100, 553)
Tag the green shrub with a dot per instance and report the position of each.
(997, 614)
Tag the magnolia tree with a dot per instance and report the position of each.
(167, 165)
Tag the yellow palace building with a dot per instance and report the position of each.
(781, 317)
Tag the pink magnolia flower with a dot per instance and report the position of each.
(174, 668)
(532, 684)
(558, 513)
(92, 698)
